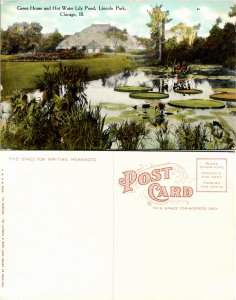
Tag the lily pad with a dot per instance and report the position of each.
(224, 96)
(149, 96)
(130, 89)
(197, 104)
(188, 91)
(225, 90)
(232, 109)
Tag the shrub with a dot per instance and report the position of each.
(120, 49)
(107, 49)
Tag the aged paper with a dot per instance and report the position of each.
(117, 225)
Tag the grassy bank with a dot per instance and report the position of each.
(22, 75)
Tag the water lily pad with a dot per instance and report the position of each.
(197, 103)
(224, 96)
(188, 91)
(225, 90)
(130, 89)
(232, 109)
(150, 95)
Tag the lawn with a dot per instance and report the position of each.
(22, 75)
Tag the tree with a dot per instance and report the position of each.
(232, 12)
(182, 32)
(21, 37)
(50, 42)
(157, 26)
(116, 35)
(220, 44)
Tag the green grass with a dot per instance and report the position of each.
(8, 57)
(22, 75)
(196, 103)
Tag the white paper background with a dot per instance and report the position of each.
(70, 232)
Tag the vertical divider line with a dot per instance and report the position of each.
(113, 230)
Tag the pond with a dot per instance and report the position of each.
(118, 105)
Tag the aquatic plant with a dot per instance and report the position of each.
(129, 135)
(61, 120)
(164, 138)
(188, 91)
(149, 95)
(132, 89)
(197, 103)
(224, 96)
(221, 138)
(191, 137)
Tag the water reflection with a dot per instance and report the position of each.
(102, 90)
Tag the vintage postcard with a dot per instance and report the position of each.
(118, 75)
(100, 103)
(120, 226)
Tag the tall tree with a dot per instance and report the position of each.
(157, 26)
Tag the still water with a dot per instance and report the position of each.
(102, 91)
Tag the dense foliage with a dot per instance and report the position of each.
(21, 37)
(63, 119)
(27, 37)
(218, 48)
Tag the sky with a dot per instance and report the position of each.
(130, 14)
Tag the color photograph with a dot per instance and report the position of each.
(118, 75)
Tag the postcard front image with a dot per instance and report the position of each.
(109, 75)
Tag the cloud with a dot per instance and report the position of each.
(207, 17)
(143, 10)
(183, 15)
(207, 13)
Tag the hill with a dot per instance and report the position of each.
(95, 38)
